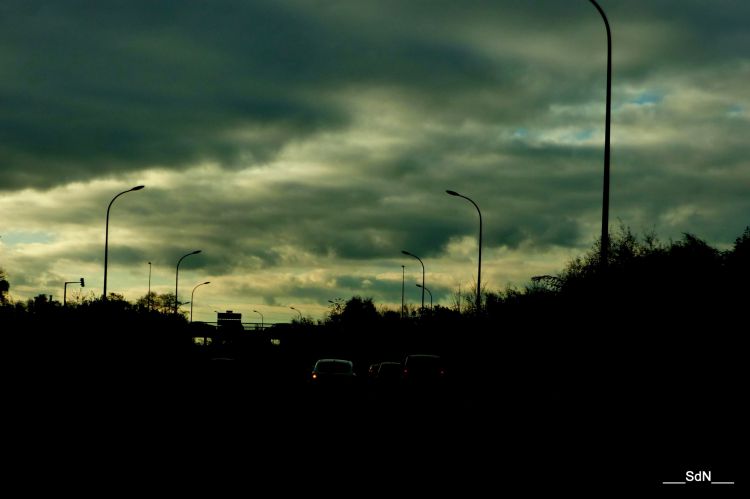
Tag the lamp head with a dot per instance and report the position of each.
(195, 252)
(453, 193)
(137, 187)
(207, 282)
(405, 252)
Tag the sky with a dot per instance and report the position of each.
(302, 145)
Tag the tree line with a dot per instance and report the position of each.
(642, 274)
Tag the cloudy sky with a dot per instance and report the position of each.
(301, 144)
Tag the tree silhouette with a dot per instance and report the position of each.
(359, 311)
(163, 303)
(466, 301)
(738, 259)
(4, 286)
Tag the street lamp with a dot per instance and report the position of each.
(149, 287)
(177, 275)
(300, 313)
(403, 271)
(261, 318)
(604, 250)
(420, 261)
(192, 298)
(479, 266)
(426, 289)
(65, 290)
(106, 234)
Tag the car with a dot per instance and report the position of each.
(423, 369)
(333, 372)
(372, 371)
(388, 373)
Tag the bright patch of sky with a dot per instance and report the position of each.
(736, 111)
(648, 98)
(12, 238)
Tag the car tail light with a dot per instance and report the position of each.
(314, 375)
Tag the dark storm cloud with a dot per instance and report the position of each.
(709, 28)
(95, 89)
(91, 88)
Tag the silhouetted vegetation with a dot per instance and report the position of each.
(639, 327)
(680, 283)
(163, 303)
(4, 287)
(629, 355)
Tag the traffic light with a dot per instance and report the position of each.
(82, 284)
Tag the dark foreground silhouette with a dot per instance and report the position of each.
(597, 389)
(581, 410)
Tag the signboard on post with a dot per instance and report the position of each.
(229, 320)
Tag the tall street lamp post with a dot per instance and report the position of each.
(403, 273)
(420, 261)
(149, 287)
(192, 298)
(604, 250)
(106, 235)
(479, 266)
(177, 276)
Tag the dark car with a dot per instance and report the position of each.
(423, 369)
(333, 372)
(388, 373)
(372, 371)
